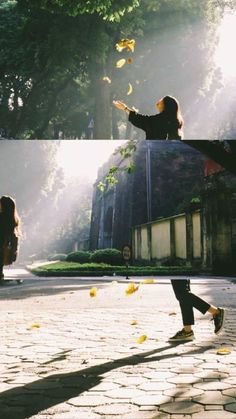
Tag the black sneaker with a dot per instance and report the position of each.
(218, 320)
(182, 336)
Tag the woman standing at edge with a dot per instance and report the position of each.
(166, 125)
(187, 302)
(9, 224)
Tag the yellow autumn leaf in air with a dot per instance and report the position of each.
(120, 63)
(107, 79)
(132, 287)
(223, 351)
(148, 281)
(93, 292)
(128, 44)
(130, 89)
(141, 339)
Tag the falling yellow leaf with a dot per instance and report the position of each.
(130, 60)
(172, 313)
(223, 351)
(107, 79)
(128, 44)
(130, 89)
(120, 63)
(148, 281)
(131, 288)
(93, 292)
(134, 322)
(141, 339)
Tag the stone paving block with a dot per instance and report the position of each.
(116, 409)
(213, 415)
(230, 392)
(183, 392)
(156, 386)
(230, 380)
(213, 397)
(88, 401)
(105, 386)
(231, 407)
(124, 393)
(214, 407)
(130, 381)
(184, 408)
(208, 374)
(141, 415)
(151, 399)
(159, 375)
(183, 379)
(212, 385)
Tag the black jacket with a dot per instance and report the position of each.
(156, 127)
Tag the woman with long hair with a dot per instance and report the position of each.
(9, 229)
(166, 125)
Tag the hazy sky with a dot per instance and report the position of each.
(83, 157)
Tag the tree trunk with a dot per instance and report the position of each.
(102, 116)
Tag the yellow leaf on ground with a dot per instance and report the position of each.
(120, 63)
(128, 44)
(132, 287)
(107, 79)
(130, 89)
(141, 339)
(134, 322)
(223, 351)
(172, 313)
(35, 326)
(130, 60)
(114, 283)
(148, 281)
(93, 292)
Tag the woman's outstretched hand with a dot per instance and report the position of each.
(119, 105)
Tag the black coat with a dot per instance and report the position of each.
(156, 127)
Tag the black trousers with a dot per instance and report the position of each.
(188, 301)
(1, 262)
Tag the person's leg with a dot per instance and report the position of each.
(1, 265)
(188, 300)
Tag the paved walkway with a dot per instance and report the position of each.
(65, 355)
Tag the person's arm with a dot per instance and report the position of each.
(121, 105)
(138, 120)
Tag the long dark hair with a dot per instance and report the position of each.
(9, 213)
(174, 118)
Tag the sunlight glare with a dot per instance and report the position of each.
(81, 158)
(225, 57)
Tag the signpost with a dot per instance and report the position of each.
(127, 254)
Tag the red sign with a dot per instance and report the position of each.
(211, 167)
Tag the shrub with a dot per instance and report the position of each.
(110, 256)
(79, 256)
(59, 256)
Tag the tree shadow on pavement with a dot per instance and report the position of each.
(44, 393)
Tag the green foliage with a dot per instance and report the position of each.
(111, 10)
(79, 256)
(109, 256)
(101, 269)
(60, 256)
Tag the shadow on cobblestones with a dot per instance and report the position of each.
(42, 394)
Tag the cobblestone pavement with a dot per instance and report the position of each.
(65, 355)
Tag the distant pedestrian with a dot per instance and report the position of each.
(9, 231)
(166, 125)
(187, 302)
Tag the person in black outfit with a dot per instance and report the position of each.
(9, 223)
(166, 125)
(187, 302)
